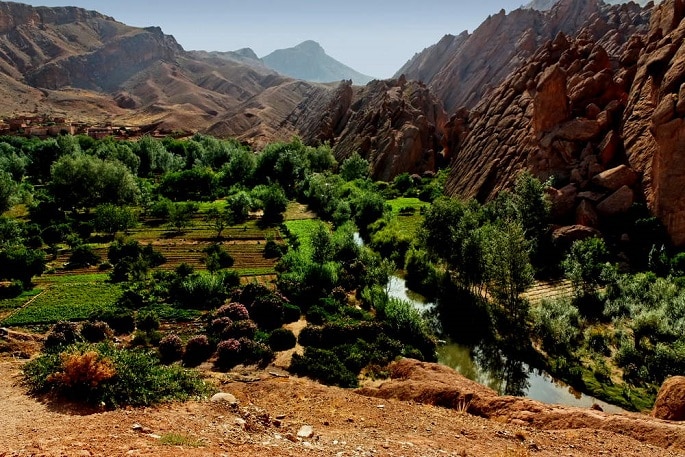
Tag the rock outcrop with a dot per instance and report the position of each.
(559, 116)
(654, 119)
(439, 385)
(670, 402)
(462, 69)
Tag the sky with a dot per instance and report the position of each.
(372, 36)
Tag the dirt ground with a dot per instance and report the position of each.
(271, 412)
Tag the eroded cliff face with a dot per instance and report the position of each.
(654, 119)
(559, 116)
(397, 125)
(462, 69)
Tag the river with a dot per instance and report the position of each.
(490, 368)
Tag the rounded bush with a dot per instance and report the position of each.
(240, 329)
(254, 352)
(235, 311)
(282, 339)
(61, 334)
(170, 348)
(228, 354)
(96, 331)
(197, 351)
(147, 321)
(291, 313)
(219, 325)
(121, 322)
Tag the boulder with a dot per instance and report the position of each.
(586, 214)
(565, 236)
(223, 397)
(617, 203)
(616, 178)
(670, 402)
(551, 102)
(563, 200)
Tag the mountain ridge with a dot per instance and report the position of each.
(308, 61)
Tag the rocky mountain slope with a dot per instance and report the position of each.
(308, 61)
(91, 67)
(462, 69)
(602, 114)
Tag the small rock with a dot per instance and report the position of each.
(223, 397)
(240, 421)
(154, 436)
(290, 437)
(280, 417)
(306, 431)
(276, 423)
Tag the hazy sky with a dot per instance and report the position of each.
(372, 36)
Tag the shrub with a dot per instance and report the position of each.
(282, 339)
(120, 321)
(147, 321)
(197, 351)
(170, 348)
(252, 352)
(219, 325)
(83, 256)
(228, 354)
(273, 250)
(62, 334)
(146, 339)
(95, 331)
(291, 313)
(267, 311)
(234, 311)
(103, 374)
(240, 329)
(324, 366)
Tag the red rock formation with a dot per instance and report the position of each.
(559, 116)
(462, 69)
(653, 122)
(670, 402)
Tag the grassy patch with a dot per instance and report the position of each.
(179, 439)
(17, 302)
(408, 220)
(630, 398)
(303, 230)
(66, 301)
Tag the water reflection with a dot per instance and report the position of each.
(488, 364)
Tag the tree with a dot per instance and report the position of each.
(180, 214)
(7, 187)
(239, 205)
(219, 219)
(22, 263)
(509, 271)
(84, 181)
(111, 218)
(273, 201)
(586, 265)
(355, 167)
(322, 244)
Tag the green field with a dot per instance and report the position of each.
(66, 298)
(302, 230)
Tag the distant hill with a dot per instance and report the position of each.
(308, 61)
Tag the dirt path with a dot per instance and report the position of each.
(267, 421)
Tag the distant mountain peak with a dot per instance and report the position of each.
(310, 46)
(308, 61)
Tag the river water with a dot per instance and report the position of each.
(489, 368)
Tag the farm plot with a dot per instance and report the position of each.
(72, 297)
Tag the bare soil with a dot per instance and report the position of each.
(272, 409)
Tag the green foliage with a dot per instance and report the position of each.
(180, 214)
(110, 218)
(217, 257)
(282, 339)
(7, 189)
(355, 167)
(85, 181)
(272, 200)
(324, 366)
(586, 265)
(557, 325)
(197, 350)
(104, 374)
(22, 263)
(83, 256)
